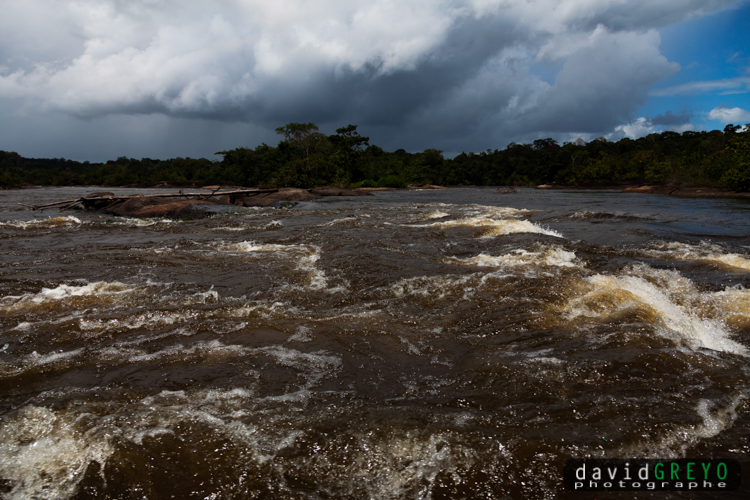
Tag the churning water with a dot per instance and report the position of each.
(409, 345)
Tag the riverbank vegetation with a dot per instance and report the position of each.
(305, 157)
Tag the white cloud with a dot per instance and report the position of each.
(729, 115)
(641, 127)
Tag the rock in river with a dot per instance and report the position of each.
(151, 206)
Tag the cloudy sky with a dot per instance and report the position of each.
(97, 79)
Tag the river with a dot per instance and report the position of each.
(430, 344)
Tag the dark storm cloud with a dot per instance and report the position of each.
(669, 119)
(599, 84)
(457, 74)
(388, 99)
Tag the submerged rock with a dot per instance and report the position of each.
(294, 194)
(283, 204)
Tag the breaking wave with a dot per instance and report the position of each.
(76, 296)
(704, 252)
(663, 299)
(492, 228)
(50, 223)
(547, 256)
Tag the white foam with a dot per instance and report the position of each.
(436, 287)
(358, 313)
(261, 309)
(36, 360)
(548, 256)
(303, 334)
(150, 319)
(143, 222)
(274, 224)
(492, 211)
(399, 461)
(306, 263)
(252, 247)
(716, 419)
(209, 296)
(100, 290)
(662, 298)
(45, 454)
(306, 256)
(49, 223)
(704, 252)
(337, 221)
(213, 349)
(731, 304)
(315, 365)
(436, 214)
(493, 227)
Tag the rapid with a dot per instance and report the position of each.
(432, 344)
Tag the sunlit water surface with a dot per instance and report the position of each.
(420, 345)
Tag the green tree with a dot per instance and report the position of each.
(738, 177)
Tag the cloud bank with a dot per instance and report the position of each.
(737, 116)
(458, 74)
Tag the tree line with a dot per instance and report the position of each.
(305, 157)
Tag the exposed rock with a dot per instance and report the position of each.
(258, 200)
(295, 194)
(148, 206)
(101, 194)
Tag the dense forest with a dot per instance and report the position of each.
(305, 157)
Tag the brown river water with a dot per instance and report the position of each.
(410, 345)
